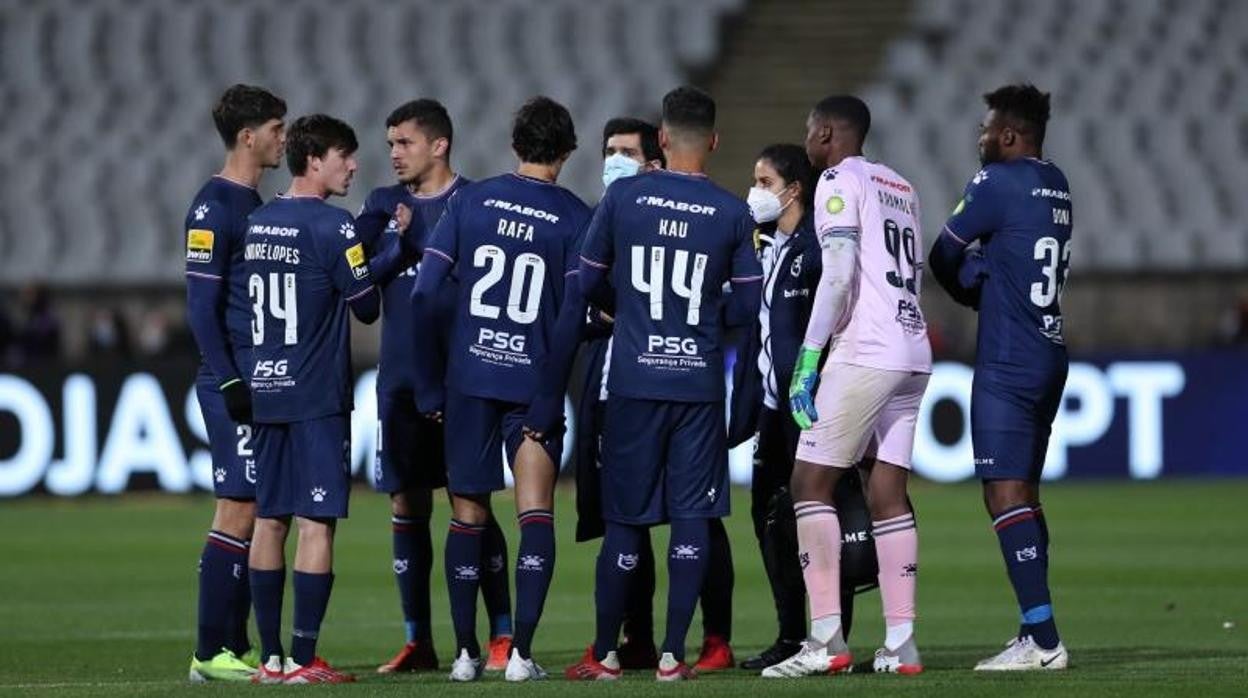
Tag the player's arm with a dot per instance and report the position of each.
(741, 308)
(349, 270)
(959, 270)
(839, 231)
(596, 256)
(394, 253)
(546, 409)
(435, 267)
(208, 249)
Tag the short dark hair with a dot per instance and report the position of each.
(687, 108)
(1024, 106)
(430, 117)
(846, 108)
(792, 164)
(648, 132)
(313, 136)
(245, 106)
(543, 132)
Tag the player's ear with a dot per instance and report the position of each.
(246, 137)
(664, 139)
(714, 144)
(440, 146)
(1008, 137)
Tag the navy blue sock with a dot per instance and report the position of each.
(495, 580)
(716, 595)
(639, 613)
(688, 555)
(267, 587)
(413, 563)
(615, 574)
(535, 567)
(222, 573)
(463, 576)
(1026, 561)
(311, 600)
(237, 641)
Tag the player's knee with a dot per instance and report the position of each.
(1004, 495)
(235, 517)
(316, 530)
(886, 493)
(812, 483)
(473, 510)
(412, 503)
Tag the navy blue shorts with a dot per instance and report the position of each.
(663, 460)
(477, 429)
(411, 452)
(232, 447)
(1010, 426)
(304, 468)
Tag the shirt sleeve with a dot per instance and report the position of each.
(979, 211)
(839, 231)
(345, 258)
(598, 250)
(209, 230)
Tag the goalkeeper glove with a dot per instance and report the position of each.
(802, 387)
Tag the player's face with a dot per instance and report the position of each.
(991, 130)
(816, 148)
(412, 153)
(628, 145)
(270, 142)
(336, 170)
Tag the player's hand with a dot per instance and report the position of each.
(237, 400)
(602, 315)
(435, 416)
(544, 418)
(802, 387)
(402, 217)
(431, 403)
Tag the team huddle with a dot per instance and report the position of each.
(488, 290)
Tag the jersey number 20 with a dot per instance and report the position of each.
(282, 302)
(525, 294)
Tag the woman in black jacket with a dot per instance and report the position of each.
(781, 200)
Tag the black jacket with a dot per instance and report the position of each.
(791, 299)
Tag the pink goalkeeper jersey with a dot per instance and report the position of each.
(882, 326)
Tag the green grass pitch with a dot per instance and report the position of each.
(1150, 581)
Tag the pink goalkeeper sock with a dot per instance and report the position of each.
(819, 543)
(897, 548)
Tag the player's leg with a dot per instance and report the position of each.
(406, 445)
(496, 593)
(222, 650)
(634, 436)
(849, 403)
(771, 509)
(320, 449)
(638, 650)
(474, 470)
(696, 488)
(275, 491)
(534, 468)
(893, 525)
(716, 601)
(1009, 447)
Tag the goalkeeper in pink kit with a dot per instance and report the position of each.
(866, 316)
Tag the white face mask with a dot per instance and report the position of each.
(617, 166)
(765, 206)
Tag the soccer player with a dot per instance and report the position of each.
(879, 362)
(251, 123)
(630, 146)
(669, 240)
(511, 241)
(1017, 208)
(410, 460)
(305, 268)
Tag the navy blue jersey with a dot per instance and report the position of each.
(1020, 213)
(304, 264)
(396, 370)
(671, 241)
(513, 242)
(215, 226)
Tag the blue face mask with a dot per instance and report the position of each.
(618, 166)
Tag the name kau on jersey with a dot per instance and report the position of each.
(271, 251)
